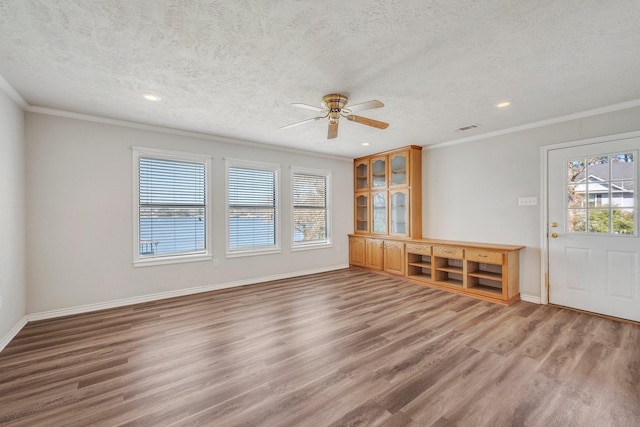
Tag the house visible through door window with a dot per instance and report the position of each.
(601, 194)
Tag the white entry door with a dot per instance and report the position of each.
(594, 248)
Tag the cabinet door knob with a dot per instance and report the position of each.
(554, 235)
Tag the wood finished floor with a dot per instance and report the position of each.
(343, 348)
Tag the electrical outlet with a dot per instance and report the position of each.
(215, 263)
(0, 301)
(527, 201)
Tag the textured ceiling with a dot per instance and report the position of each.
(232, 67)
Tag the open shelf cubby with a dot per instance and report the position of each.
(419, 266)
(449, 271)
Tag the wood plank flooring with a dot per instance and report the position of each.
(343, 348)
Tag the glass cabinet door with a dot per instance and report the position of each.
(379, 214)
(398, 165)
(399, 212)
(362, 213)
(379, 172)
(362, 175)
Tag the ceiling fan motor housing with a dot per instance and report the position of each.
(334, 102)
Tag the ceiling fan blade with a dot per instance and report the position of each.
(368, 122)
(303, 122)
(308, 107)
(365, 105)
(333, 130)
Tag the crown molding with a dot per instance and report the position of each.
(13, 94)
(560, 119)
(173, 131)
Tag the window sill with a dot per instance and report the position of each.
(311, 246)
(239, 254)
(171, 260)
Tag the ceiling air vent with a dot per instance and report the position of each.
(469, 127)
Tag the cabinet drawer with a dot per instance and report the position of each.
(415, 248)
(488, 257)
(448, 252)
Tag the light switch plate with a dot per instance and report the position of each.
(527, 201)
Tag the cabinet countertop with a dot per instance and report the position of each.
(426, 240)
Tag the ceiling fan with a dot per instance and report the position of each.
(334, 107)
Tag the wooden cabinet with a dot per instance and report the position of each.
(419, 265)
(379, 223)
(399, 212)
(374, 254)
(490, 272)
(394, 262)
(388, 234)
(448, 266)
(361, 175)
(361, 211)
(486, 271)
(356, 251)
(388, 193)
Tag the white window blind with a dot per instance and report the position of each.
(253, 208)
(172, 209)
(310, 209)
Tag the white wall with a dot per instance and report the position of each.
(80, 220)
(12, 227)
(471, 190)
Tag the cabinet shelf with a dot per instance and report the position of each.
(451, 282)
(420, 276)
(487, 275)
(420, 264)
(450, 269)
(487, 289)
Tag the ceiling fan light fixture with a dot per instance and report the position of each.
(333, 106)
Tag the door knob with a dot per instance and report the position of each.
(554, 235)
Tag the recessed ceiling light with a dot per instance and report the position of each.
(503, 104)
(151, 97)
(365, 144)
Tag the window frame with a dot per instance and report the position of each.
(316, 244)
(260, 250)
(154, 153)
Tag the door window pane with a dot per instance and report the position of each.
(604, 185)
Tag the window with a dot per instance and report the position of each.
(252, 208)
(601, 194)
(171, 208)
(311, 212)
